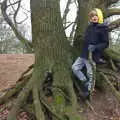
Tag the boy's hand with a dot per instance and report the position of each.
(91, 48)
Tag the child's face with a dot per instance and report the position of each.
(94, 19)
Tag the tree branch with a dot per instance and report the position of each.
(73, 30)
(112, 54)
(110, 2)
(27, 43)
(115, 24)
(23, 19)
(11, 4)
(113, 11)
(16, 12)
(111, 87)
(66, 11)
(68, 25)
(37, 105)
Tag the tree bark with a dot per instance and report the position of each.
(52, 53)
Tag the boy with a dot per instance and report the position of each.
(96, 40)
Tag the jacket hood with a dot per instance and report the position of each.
(100, 15)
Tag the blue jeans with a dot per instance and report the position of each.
(78, 66)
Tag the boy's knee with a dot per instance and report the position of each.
(73, 67)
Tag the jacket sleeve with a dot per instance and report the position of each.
(105, 36)
(104, 42)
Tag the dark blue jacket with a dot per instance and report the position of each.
(96, 34)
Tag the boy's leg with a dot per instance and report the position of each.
(76, 68)
(88, 84)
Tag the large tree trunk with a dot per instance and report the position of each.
(51, 48)
(52, 54)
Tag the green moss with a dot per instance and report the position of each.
(72, 117)
(100, 82)
(112, 54)
(68, 110)
(59, 99)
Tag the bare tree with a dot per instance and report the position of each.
(50, 84)
(13, 23)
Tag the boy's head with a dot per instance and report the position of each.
(96, 16)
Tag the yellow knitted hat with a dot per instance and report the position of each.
(100, 15)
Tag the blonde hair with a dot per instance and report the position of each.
(96, 12)
(100, 15)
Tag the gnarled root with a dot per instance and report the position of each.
(111, 87)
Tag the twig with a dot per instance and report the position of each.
(11, 4)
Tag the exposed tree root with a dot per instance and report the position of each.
(60, 99)
(112, 54)
(113, 77)
(113, 65)
(14, 90)
(7, 105)
(29, 108)
(111, 87)
(20, 101)
(109, 72)
(37, 105)
(25, 73)
(50, 109)
(10, 92)
(53, 98)
(42, 101)
(24, 77)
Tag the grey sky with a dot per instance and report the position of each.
(70, 17)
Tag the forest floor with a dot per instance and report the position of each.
(11, 68)
(105, 107)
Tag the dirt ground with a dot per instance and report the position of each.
(12, 66)
(106, 107)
